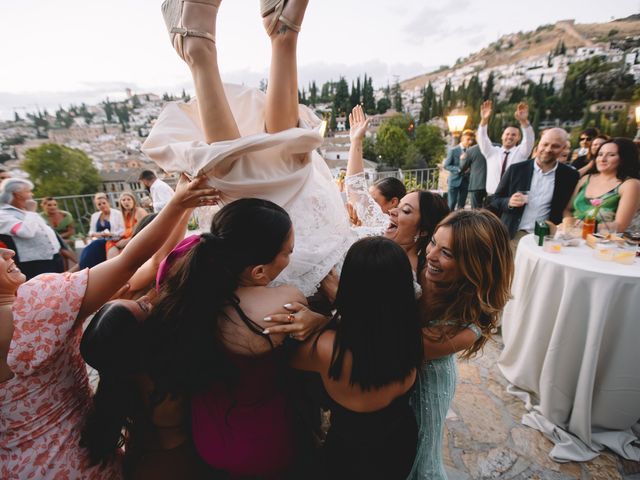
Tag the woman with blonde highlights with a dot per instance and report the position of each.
(466, 283)
(132, 213)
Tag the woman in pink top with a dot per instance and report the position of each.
(44, 389)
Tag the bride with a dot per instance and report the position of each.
(251, 144)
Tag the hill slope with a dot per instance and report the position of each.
(518, 46)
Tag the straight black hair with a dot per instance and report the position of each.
(390, 188)
(377, 315)
(185, 353)
(111, 344)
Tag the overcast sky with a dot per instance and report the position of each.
(62, 51)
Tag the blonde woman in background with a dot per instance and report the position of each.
(132, 213)
(105, 228)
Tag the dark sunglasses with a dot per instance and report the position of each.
(588, 139)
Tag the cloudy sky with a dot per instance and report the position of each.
(59, 52)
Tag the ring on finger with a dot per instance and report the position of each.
(292, 335)
(291, 317)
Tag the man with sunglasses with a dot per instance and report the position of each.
(579, 155)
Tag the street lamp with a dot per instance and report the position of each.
(456, 120)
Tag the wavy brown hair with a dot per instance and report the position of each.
(482, 251)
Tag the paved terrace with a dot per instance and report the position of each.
(484, 438)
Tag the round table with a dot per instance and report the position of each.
(572, 349)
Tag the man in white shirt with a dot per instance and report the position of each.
(509, 153)
(537, 189)
(160, 192)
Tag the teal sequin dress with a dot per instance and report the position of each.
(430, 400)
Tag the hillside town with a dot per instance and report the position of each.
(114, 145)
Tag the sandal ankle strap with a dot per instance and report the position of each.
(289, 23)
(185, 32)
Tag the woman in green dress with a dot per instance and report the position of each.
(60, 220)
(611, 187)
(466, 283)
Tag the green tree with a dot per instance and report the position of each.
(427, 106)
(412, 158)
(368, 98)
(391, 144)
(58, 170)
(397, 97)
(384, 104)
(430, 143)
(402, 120)
(369, 149)
(313, 94)
(108, 108)
(488, 87)
(341, 101)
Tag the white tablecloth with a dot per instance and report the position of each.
(572, 349)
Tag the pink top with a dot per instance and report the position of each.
(246, 430)
(42, 408)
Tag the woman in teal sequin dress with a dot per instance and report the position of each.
(466, 283)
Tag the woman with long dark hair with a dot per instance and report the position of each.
(204, 364)
(466, 283)
(367, 362)
(614, 181)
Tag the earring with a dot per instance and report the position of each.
(415, 239)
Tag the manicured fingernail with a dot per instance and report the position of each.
(267, 319)
(266, 331)
(288, 305)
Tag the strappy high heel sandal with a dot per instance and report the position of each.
(172, 13)
(269, 6)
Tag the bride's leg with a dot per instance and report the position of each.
(201, 55)
(281, 109)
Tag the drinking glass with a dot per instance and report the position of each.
(551, 244)
(625, 254)
(604, 252)
(607, 223)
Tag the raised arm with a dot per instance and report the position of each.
(484, 142)
(528, 137)
(106, 278)
(146, 274)
(358, 124)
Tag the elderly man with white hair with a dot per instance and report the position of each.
(37, 247)
(536, 189)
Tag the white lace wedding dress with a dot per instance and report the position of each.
(282, 167)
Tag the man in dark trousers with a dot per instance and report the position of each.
(537, 189)
(458, 181)
(475, 165)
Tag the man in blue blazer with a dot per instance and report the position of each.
(458, 180)
(537, 189)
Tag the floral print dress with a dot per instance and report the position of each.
(42, 408)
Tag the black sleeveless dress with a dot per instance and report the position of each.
(374, 445)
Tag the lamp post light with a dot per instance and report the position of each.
(456, 120)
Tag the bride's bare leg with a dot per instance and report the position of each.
(201, 56)
(281, 109)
